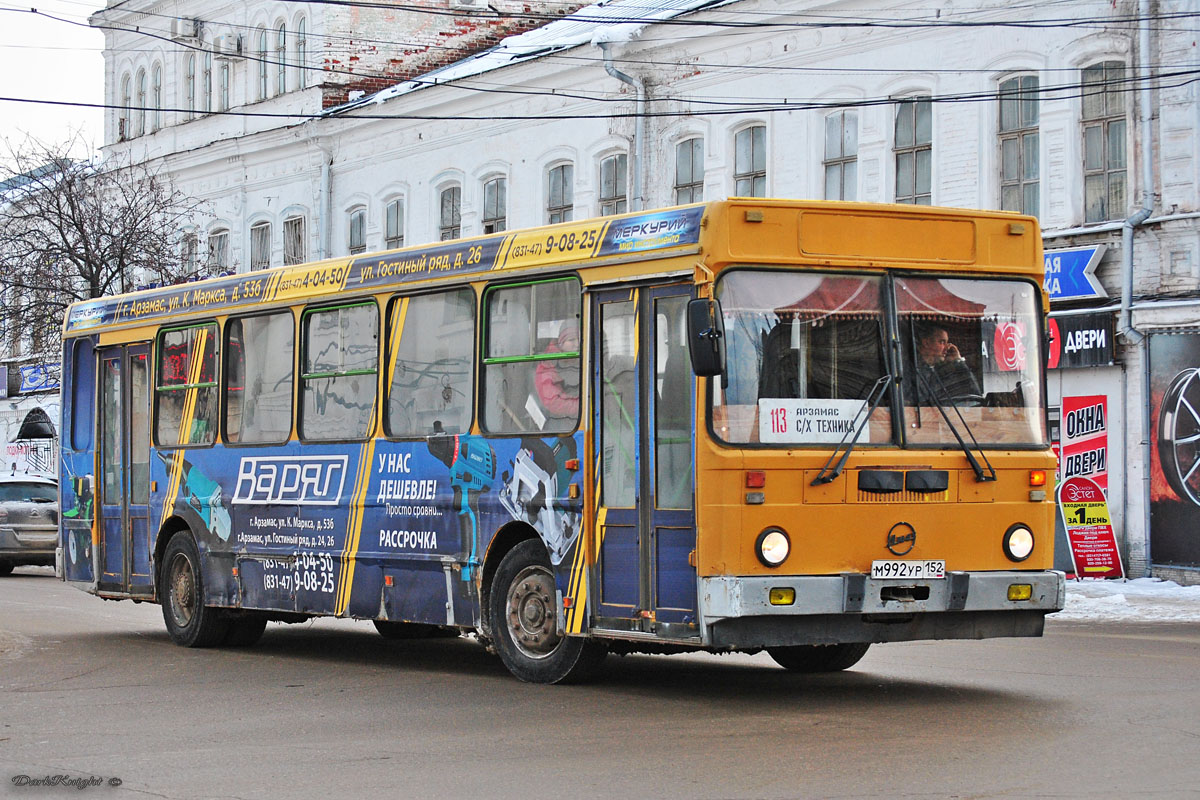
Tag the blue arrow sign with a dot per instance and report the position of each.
(1071, 273)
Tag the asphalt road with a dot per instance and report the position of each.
(329, 709)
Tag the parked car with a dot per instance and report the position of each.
(28, 521)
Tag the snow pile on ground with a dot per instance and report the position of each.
(1138, 600)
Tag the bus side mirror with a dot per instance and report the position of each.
(706, 337)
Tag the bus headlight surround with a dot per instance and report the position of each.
(1018, 542)
(772, 547)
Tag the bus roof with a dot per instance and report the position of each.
(769, 231)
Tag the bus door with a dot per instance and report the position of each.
(645, 439)
(125, 470)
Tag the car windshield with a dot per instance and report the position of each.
(803, 351)
(28, 492)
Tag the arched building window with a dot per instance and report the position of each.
(281, 59)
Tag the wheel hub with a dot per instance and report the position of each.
(182, 585)
(531, 613)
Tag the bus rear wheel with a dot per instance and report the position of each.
(813, 658)
(190, 623)
(524, 617)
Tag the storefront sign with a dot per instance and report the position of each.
(1071, 273)
(1089, 529)
(1079, 340)
(1084, 431)
(39, 378)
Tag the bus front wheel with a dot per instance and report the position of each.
(190, 623)
(812, 658)
(525, 621)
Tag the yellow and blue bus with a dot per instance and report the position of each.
(755, 424)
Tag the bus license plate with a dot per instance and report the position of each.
(909, 570)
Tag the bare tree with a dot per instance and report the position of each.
(73, 229)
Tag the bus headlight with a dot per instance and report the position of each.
(772, 547)
(1018, 542)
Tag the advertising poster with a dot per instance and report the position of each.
(1089, 529)
(1084, 444)
(1175, 451)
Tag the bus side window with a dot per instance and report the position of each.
(341, 361)
(433, 363)
(258, 379)
(186, 386)
(532, 358)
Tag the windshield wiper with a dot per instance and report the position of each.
(827, 475)
(935, 395)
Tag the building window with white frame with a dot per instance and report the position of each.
(281, 59)
(301, 54)
(841, 155)
(1019, 155)
(689, 171)
(206, 105)
(450, 218)
(218, 251)
(139, 125)
(189, 253)
(560, 195)
(750, 162)
(156, 102)
(614, 172)
(358, 231)
(394, 225)
(495, 205)
(294, 251)
(261, 54)
(226, 102)
(1104, 131)
(190, 86)
(260, 245)
(913, 150)
(125, 113)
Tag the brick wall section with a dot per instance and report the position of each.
(369, 49)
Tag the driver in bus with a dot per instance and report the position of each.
(942, 372)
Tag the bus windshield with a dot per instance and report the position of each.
(804, 350)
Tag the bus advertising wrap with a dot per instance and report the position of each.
(607, 237)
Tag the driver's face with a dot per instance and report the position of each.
(933, 347)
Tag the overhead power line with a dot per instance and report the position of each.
(1061, 92)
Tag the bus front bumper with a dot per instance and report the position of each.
(827, 609)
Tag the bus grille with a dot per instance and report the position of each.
(903, 497)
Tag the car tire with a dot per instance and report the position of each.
(190, 623)
(6, 568)
(523, 611)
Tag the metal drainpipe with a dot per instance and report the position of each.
(639, 135)
(324, 199)
(1126, 326)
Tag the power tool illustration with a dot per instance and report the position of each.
(472, 465)
(202, 495)
(534, 491)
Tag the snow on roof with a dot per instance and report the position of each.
(606, 21)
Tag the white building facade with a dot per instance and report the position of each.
(1084, 114)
